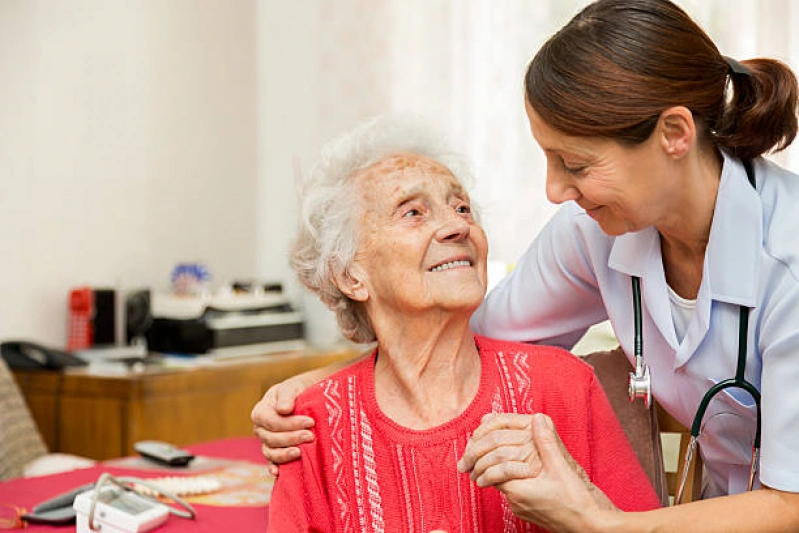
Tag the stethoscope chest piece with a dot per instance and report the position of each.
(640, 385)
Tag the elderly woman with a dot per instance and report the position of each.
(389, 241)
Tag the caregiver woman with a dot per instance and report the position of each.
(646, 128)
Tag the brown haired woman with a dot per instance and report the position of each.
(653, 142)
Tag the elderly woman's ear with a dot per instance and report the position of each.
(350, 282)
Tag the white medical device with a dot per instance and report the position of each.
(115, 507)
(118, 511)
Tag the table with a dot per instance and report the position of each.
(102, 416)
(27, 492)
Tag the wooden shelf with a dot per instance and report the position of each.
(102, 416)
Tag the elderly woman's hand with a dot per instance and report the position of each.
(501, 449)
(279, 432)
(523, 456)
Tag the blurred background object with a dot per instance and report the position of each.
(240, 319)
(22, 449)
(190, 279)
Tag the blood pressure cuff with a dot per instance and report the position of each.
(57, 510)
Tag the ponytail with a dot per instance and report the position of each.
(760, 116)
(617, 65)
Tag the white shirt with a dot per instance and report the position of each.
(574, 276)
(682, 309)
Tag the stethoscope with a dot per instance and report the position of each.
(640, 383)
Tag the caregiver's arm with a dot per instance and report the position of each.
(760, 511)
(280, 432)
(552, 296)
(559, 500)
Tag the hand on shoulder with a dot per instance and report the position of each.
(279, 431)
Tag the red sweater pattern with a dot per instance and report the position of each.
(365, 473)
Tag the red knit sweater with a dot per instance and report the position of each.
(365, 473)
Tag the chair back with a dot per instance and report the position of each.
(20, 440)
(681, 437)
(640, 423)
(648, 430)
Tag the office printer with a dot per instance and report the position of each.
(227, 324)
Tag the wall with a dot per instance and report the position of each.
(321, 68)
(127, 144)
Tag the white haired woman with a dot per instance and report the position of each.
(389, 241)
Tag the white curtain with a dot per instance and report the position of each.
(461, 64)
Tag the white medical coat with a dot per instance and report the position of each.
(574, 275)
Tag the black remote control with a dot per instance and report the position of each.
(163, 453)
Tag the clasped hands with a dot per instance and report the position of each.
(520, 455)
(524, 458)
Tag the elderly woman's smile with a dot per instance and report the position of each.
(451, 264)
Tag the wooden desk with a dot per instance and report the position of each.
(103, 416)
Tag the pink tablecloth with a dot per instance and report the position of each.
(27, 492)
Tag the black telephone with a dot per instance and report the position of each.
(24, 355)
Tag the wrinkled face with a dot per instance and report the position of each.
(420, 248)
(623, 188)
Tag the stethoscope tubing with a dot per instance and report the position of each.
(642, 387)
(739, 382)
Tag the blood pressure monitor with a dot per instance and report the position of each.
(117, 510)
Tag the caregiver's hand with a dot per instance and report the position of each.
(279, 432)
(541, 480)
